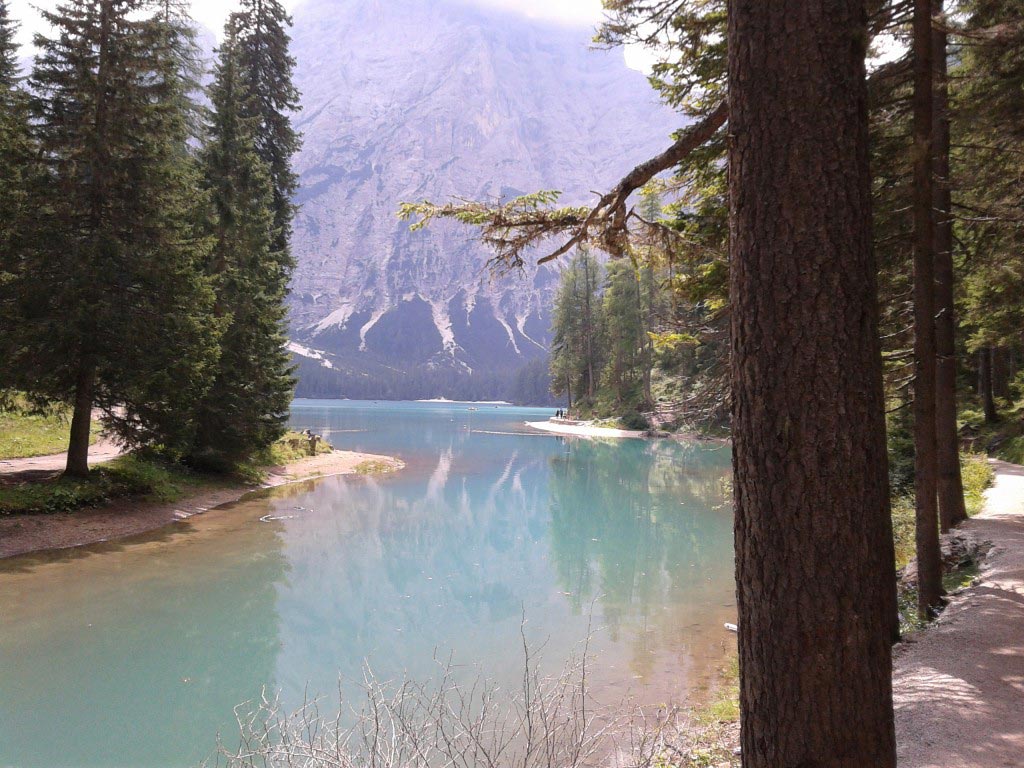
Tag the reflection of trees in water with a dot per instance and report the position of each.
(640, 526)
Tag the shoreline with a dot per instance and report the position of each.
(32, 534)
(586, 429)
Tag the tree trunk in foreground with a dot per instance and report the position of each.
(926, 468)
(81, 423)
(814, 553)
(952, 509)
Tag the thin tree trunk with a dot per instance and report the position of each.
(590, 331)
(81, 422)
(814, 553)
(929, 561)
(988, 401)
(952, 509)
(1000, 373)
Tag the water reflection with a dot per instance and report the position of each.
(136, 654)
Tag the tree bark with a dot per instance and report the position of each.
(985, 393)
(814, 553)
(929, 563)
(81, 422)
(952, 509)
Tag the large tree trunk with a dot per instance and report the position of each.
(952, 509)
(985, 393)
(81, 422)
(929, 562)
(814, 553)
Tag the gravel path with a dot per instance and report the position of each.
(40, 467)
(959, 686)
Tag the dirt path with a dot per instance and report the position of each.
(23, 534)
(41, 467)
(959, 686)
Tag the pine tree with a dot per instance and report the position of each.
(265, 66)
(577, 326)
(246, 408)
(15, 165)
(625, 337)
(811, 496)
(113, 311)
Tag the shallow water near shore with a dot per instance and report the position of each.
(135, 653)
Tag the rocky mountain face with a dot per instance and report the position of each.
(408, 100)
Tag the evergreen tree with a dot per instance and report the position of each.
(811, 493)
(112, 310)
(15, 165)
(246, 408)
(626, 344)
(577, 343)
(265, 66)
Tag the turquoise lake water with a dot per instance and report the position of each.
(135, 654)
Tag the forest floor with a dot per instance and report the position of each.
(23, 534)
(959, 684)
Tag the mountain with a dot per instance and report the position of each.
(408, 100)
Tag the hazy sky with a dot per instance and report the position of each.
(212, 13)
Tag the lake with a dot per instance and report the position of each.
(136, 653)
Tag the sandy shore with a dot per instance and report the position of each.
(23, 534)
(584, 430)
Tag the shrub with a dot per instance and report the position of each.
(634, 420)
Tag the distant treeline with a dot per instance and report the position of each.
(527, 385)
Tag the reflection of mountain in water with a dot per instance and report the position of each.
(446, 556)
(400, 569)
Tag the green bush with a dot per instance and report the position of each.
(634, 420)
(977, 476)
(900, 440)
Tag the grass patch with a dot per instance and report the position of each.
(724, 707)
(293, 446)
(903, 529)
(23, 435)
(132, 475)
(373, 467)
(709, 731)
(977, 476)
(1012, 450)
(1003, 439)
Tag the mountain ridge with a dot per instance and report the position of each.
(415, 100)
